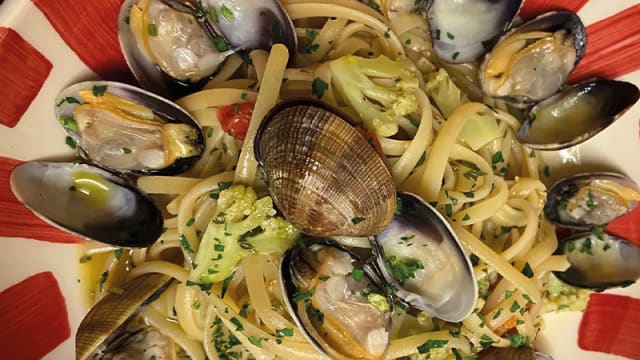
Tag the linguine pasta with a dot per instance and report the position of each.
(491, 195)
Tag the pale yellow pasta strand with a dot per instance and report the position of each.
(184, 300)
(259, 61)
(214, 98)
(161, 267)
(416, 148)
(166, 184)
(476, 325)
(502, 266)
(231, 65)
(523, 244)
(408, 345)
(267, 98)
(442, 147)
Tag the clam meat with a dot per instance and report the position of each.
(586, 200)
(576, 113)
(127, 129)
(88, 201)
(332, 299)
(422, 259)
(154, 36)
(322, 174)
(531, 62)
(599, 261)
(458, 40)
(112, 328)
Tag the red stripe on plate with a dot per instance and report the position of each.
(627, 227)
(23, 70)
(34, 318)
(531, 8)
(91, 32)
(613, 47)
(18, 221)
(611, 324)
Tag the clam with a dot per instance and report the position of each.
(323, 175)
(87, 201)
(576, 113)
(599, 261)
(110, 323)
(593, 199)
(458, 40)
(129, 130)
(420, 256)
(531, 62)
(333, 299)
(168, 51)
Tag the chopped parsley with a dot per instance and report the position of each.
(301, 296)
(68, 100)
(99, 90)
(185, 243)
(318, 87)
(485, 341)
(85, 258)
(223, 185)
(324, 278)
(68, 123)
(586, 246)
(227, 13)
(117, 253)
(403, 270)
(357, 275)
(103, 279)
(126, 150)
(311, 48)
(70, 142)
(455, 55)
(527, 271)
(284, 332)
(497, 158)
(225, 284)
(191, 222)
(431, 344)
(152, 29)
(237, 323)
(590, 203)
(466, 217)
(311, 34)
(357, 220)
(450, 36)
(514, 307)
(220, 43)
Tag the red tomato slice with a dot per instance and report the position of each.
(235, 118)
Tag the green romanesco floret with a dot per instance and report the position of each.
(243, 225)
(561, 296)
(380, 103)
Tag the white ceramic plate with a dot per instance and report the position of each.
(37, 135)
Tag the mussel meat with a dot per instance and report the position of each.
(599, 261)
(323, 175)
(593, 199)
(531, 62)
(576, 113)
(423, 260)
(166, 48)
(458, 40)
(127, 129)
(332, 298)
(88, 201)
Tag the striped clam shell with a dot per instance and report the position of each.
(323, 175)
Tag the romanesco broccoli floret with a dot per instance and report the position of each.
(242, 226)
(379, 104)
(561, 296)
(444, 92)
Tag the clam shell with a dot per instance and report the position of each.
(101, 324)
(110, 151)
(322, 174)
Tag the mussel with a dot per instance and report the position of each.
(129, 130)
(108, 325)
(323, 175)
(586, 200)
(332, 298)
(576, 113)
(531, 62)
(88, 201)
(458, 40)
(599, 261)
(423, 260)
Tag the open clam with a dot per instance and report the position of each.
(332, 298)
(106, 327)
(576, 113)
(599, 261)
(168, 51)
(322, 174)
(423, 260)
(129, 130)
(87, 201)
(458, 40)
(531, 62)
(586, 200)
